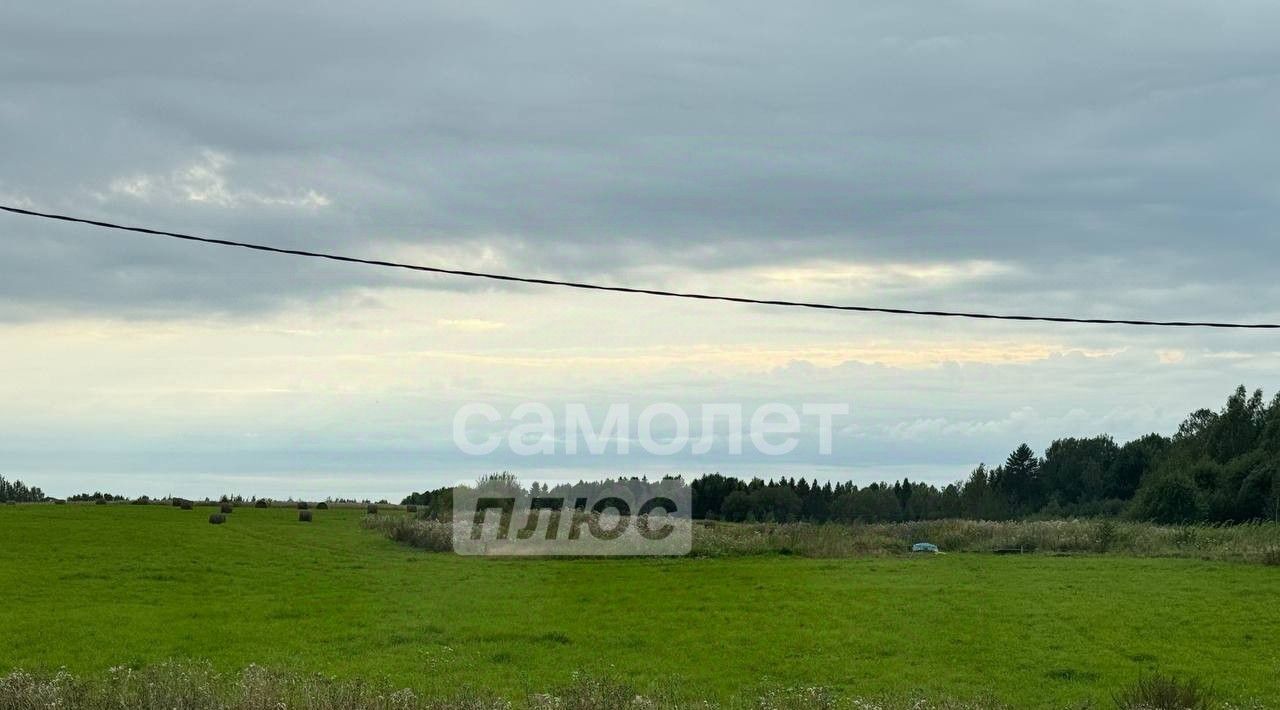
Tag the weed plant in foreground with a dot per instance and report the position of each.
(187, 684)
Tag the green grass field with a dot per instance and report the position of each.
(90, 587)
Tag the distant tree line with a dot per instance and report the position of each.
(1221, 466)
(438, 503)
(96, 495)
(19, 492)
(224, 498)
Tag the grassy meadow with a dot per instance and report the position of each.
(94, 587)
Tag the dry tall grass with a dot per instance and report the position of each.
(424, 533)
(1256, 542)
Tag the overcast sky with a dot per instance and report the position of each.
(1087, 159)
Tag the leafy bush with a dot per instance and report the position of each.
(1161, 692)
(1106, 535)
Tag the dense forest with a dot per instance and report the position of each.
(19, 492)
(1221, 466)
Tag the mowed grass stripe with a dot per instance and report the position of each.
(89, 587)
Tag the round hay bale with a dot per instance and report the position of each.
(302, 505)
(411, 509)
(59, 501)
(217, 519)
(11, 502)
(99, 501)
(177, 502)
(304, 516)
(371, 509)
(225, 508)
(186, 505)
(262, 503)
(322, 506)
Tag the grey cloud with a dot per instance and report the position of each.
(1120, 155)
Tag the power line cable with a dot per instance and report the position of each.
(626, 289)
